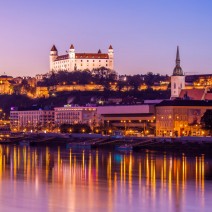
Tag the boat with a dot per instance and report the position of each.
(79, 146)
(125, 147)
(24, 143)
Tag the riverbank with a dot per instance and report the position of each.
(191, 145)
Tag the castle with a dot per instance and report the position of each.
(80, 61)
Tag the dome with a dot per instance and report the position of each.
(178, 71)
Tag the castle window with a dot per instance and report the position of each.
(87, 60)
(174, 85)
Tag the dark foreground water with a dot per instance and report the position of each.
(47, 179)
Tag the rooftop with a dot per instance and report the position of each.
(192, 94)
(184, 103)
(84, 56)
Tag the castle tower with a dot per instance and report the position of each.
(71, 53)
(52, 57)
(111, 57)
(178, 78)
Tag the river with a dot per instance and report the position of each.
(59, 179)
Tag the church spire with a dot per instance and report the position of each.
(178, 70)
(178, 56)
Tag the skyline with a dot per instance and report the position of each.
(149, 31)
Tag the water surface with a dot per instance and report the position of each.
(60, 179)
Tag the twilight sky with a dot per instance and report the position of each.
(144, 33)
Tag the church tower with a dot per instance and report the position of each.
(52, 57)
(177, 79)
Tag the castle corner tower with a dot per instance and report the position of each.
(52, 57)
(178, 78)
(111, 56)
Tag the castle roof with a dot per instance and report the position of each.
(84, 56)
(54, 48)
(91, 56)
(110, 47)
(62, 57)
(72, 46)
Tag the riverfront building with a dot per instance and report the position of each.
(31, 119)
(129, 118)
(70, 114)
(80, 61)
(180, 117)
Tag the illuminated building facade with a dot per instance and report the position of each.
(76, 115)
(80, 61)
(130, 118)
(180, 117)
(31, 119)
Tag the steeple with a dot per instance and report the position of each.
(54, 48)
(72, 46)
(178, 56)
(178, 70)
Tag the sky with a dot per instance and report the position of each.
(143, 33)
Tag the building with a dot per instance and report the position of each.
(5, 84)
(129, 118)
(4, 128)
(80, 61)
(177, 79)
(31, 119)
(74, 114)
(180, 117)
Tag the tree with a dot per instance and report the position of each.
(206, 121)
(75, 128)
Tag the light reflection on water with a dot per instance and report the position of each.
(47, 179)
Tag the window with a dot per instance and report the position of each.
(175, 85)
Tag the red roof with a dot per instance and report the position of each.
(91, 56)
(208, 96)
(62, 57)
(193, 94)
(84, 56)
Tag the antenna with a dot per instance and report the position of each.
(191, 73)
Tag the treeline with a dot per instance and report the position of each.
(104, 77)
(97, 76)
